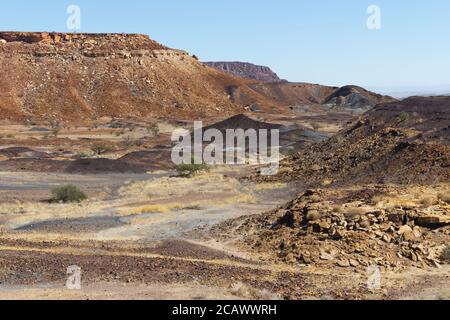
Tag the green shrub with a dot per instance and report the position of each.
(84, 154)
(68, 193)
(189, 169)
(100, 149)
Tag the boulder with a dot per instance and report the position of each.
(404, 229)
(432, 221)
(343, 263)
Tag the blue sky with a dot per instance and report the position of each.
(318, 41)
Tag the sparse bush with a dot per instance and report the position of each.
(428, 201)
(157, 208)
(444, 197)
(100, 149)
(403, 116)
(192, 207)
(445, 257)
(353, 213)
(189, 169)
(68, 193)
(153, 129)
(315, 198)
(378, 199)
(84, 154)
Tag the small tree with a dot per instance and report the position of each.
(189, 169)
(68, 193)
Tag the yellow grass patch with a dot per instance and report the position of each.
(269, 186)
(423, 197)
(157, 208)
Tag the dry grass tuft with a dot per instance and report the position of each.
(445, 257)
(444, 197)
(428, 201)
(354, 212)
(157, 208)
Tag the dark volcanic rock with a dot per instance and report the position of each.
(354, 97)
(400, 142)
(241, 121)
(22, 152)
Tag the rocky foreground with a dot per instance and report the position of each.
(353, 228)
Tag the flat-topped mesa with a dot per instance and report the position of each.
(83, 40)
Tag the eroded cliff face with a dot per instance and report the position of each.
(247, 71)
(57, 76)
(76, 77)
(86, 41)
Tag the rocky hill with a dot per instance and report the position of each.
(78, 77)
(246, 70)
(400, 142)
(354, 97)
(53, 76)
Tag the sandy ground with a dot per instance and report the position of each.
(149, 240)
(145, 236)
(34, 186)
(115, 291)
(136, 220)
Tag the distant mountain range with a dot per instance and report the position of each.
(409, 91)
(347, 97)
